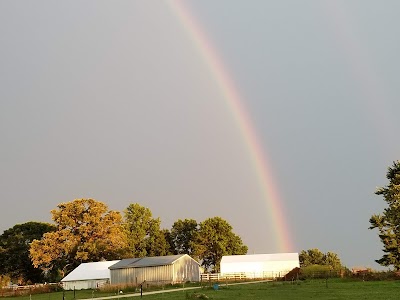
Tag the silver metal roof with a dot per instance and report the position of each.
(146, 262)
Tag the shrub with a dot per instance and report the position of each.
(317, 271)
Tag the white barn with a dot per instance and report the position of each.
(259, 265)
(88, 275)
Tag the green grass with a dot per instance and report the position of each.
(334, 289)
(67, 295)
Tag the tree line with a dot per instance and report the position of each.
(313, 257)
(85, 230)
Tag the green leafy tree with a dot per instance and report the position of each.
(314, 257)
(183, 233)
(14, 251)
(215, 239)
(144, 234)
(86, 231)
(332, 259)
(311, 257)
(157, 243)
(168, 239)
(388, 222)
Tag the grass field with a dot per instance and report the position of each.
(334, 289)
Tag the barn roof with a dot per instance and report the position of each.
(260, 257)
(146, 261)
(91, 270)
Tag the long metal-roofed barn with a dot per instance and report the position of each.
(159, 269)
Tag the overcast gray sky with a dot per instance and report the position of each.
(112, 100)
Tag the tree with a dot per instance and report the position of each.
(144, 234)
(332, 259)
(215, 239)
(168, 239)
(86, 231)
(314, 256)
(311, 257)
(14, 250)
(388, 223)
(183, 233)
(157, 243)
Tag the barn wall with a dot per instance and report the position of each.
(84, 284)
(138, 275)
(184, 269)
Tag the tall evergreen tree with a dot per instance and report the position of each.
(388, 222)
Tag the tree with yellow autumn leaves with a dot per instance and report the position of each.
(86, 231)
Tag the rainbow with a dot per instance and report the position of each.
(242, 119)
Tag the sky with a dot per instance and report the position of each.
(122, 102)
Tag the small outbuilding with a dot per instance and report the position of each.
(88, 275)
(155, 270)
(259, 265)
